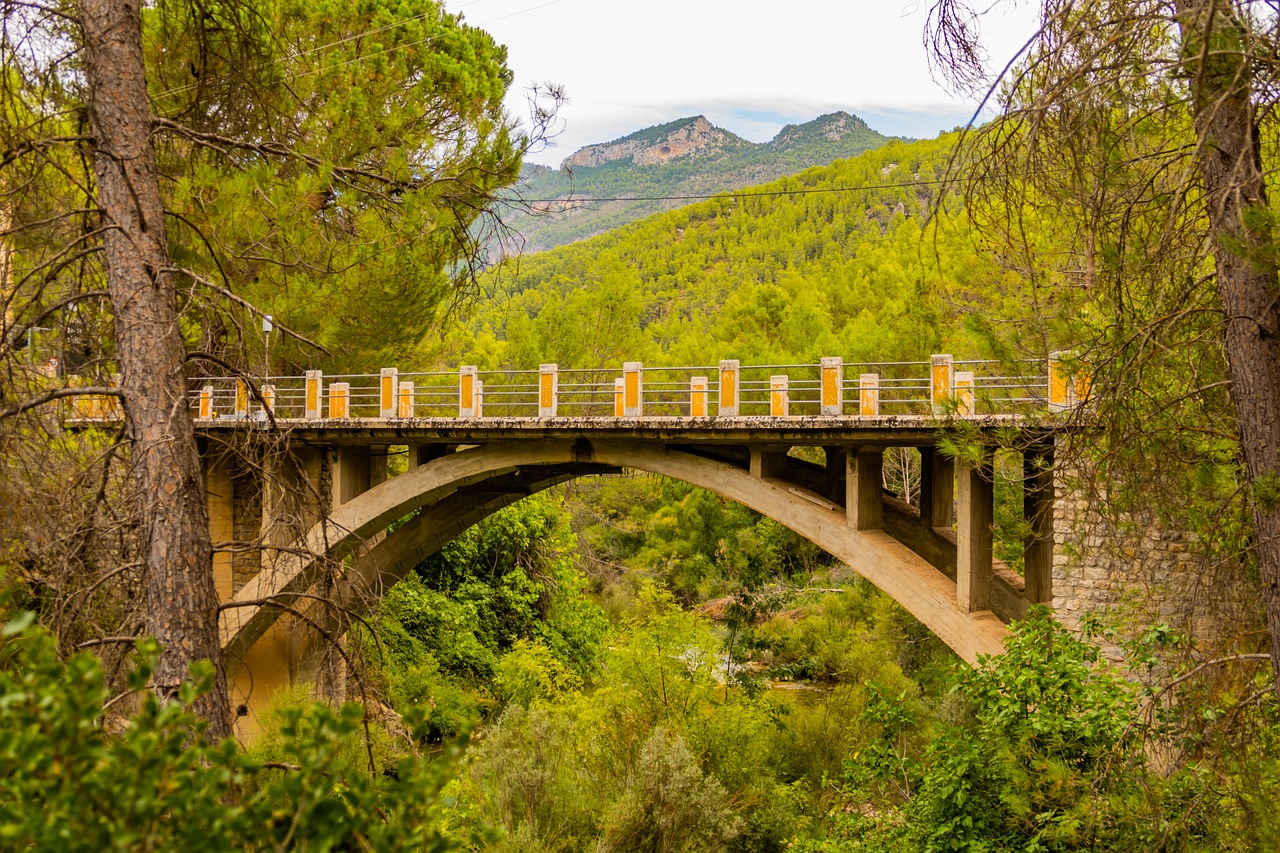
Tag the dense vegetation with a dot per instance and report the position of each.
(629, 663)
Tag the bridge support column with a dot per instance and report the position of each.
(975, 513)
(863, 483)
(937, 489)
(768, 462)
(220, 491)
(352, 473)
(1037, 508)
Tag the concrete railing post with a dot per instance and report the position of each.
(467, 378)
(269, 398)
(964, 393)
(312, 394)
(869, 395)
(698, 397)
(1066, 389)
(633, 389)
(548, 391)
(339, 399)
(729, 388)
(388, 379)
(779, 403)
(242, 399)
(619, 406)
(832, 370)
(206, 402)
(404, 393)
(941, 376)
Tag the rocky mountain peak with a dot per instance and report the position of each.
(654, 145)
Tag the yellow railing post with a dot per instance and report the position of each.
(314, 391)
(619, 404)
(1067, 389)
(941, 370)
(548, 391)
(632, 389)
(269, 397)
(339, 399)
(698, 397)
(206, 402)
(405, 395)
(729, 388)
(388, 379)
(242, 399)
(964, 393)
(869, 395)
(778, 403)
(832, 370)
(467, 377)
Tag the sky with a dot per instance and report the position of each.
(747, 65)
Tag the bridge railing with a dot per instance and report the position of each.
(941, 386)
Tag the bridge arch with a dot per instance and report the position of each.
(459, 489)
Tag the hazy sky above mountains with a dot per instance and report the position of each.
(747, 65)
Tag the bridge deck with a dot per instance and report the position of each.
(888, 430)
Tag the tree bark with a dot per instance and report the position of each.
(182, 603)
(1248, 281)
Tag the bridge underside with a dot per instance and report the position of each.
(323, 558)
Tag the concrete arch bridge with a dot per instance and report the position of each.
(303, 509)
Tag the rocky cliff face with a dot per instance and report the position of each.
(833, 126)
(687, 137)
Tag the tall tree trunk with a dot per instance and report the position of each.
(182, 603)
(1230, 160)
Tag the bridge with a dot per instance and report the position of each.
(310, 527)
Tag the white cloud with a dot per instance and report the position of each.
(749, 66)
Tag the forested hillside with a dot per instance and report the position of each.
(836, 260)
(610, 184)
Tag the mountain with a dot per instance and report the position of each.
(648, 171)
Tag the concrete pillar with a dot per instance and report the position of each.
(548, 390)
(269, 397)
(404, 393)
(975, 504)
(729, 388)
(339, 399)
(421, 454)
(869, 395)
(246, 517)
(832, 370)
(964, 393)
(220, 492)
(779, 402)
(632, 389)
(242, 399)
(206, 402)
(313, 393)
(467, 377)
(937, 489)
(619, 404)
(1037, 508)
(698, 397)
(768, 462)
(378, 464)
(352, 473)
(863, 484)
(941, 375)
(388, 379)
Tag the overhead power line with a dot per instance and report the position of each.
(725, 194)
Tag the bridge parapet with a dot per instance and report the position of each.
(942, 386)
